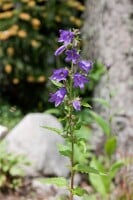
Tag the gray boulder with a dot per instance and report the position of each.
(108, 33)
(3, 131)
(39, 145)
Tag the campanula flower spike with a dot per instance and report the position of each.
(67, 80)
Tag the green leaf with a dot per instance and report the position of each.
(86, 105)
(82, 144)
(103, 102)
(64, 150)
(80, 156)
(101, 122)
(114, 168)
(100, 183)
(6, 168)
(58, 131)
(58, 84)
(83, 132)
(59, 181)
(110, 146)
(79, 191)
(16, 171)
(90, 197)
(53, 111)
(85, 169)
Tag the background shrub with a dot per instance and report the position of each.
(28, 32)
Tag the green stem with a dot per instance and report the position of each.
(72, 139)
(72, 171)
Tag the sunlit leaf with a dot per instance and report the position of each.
(86, 169)
(83, 132)
(115, 168)
(58, 131)
(59, 181)
(86, 105)
(90, 197)
(64, 150)
(53, 111)
(58, 84)
(79, 191)
(16, 171)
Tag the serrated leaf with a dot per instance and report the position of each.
(114, 168)
(86, 105)
(101, 101)
(64, 150)
(58, 131)
(86, 169)
(59, 181)
(110, 146)
(58, 84)
(53, 111)
(79, 191)
(101, 122)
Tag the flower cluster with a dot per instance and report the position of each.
(75, 76)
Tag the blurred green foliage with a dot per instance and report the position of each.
(11, 175)
(9, 115)
(28, 35)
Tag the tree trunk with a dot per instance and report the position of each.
(108, 34)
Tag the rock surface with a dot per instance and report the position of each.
(52, 191)
(3, 131)
(39, 145)
(108, 33)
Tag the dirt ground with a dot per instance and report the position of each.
(27, 192)
(30, 196)
(16, 197)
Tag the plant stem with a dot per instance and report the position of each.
(72, 171)
(72, 138)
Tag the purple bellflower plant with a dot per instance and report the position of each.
(69, 80)
(71, 50)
